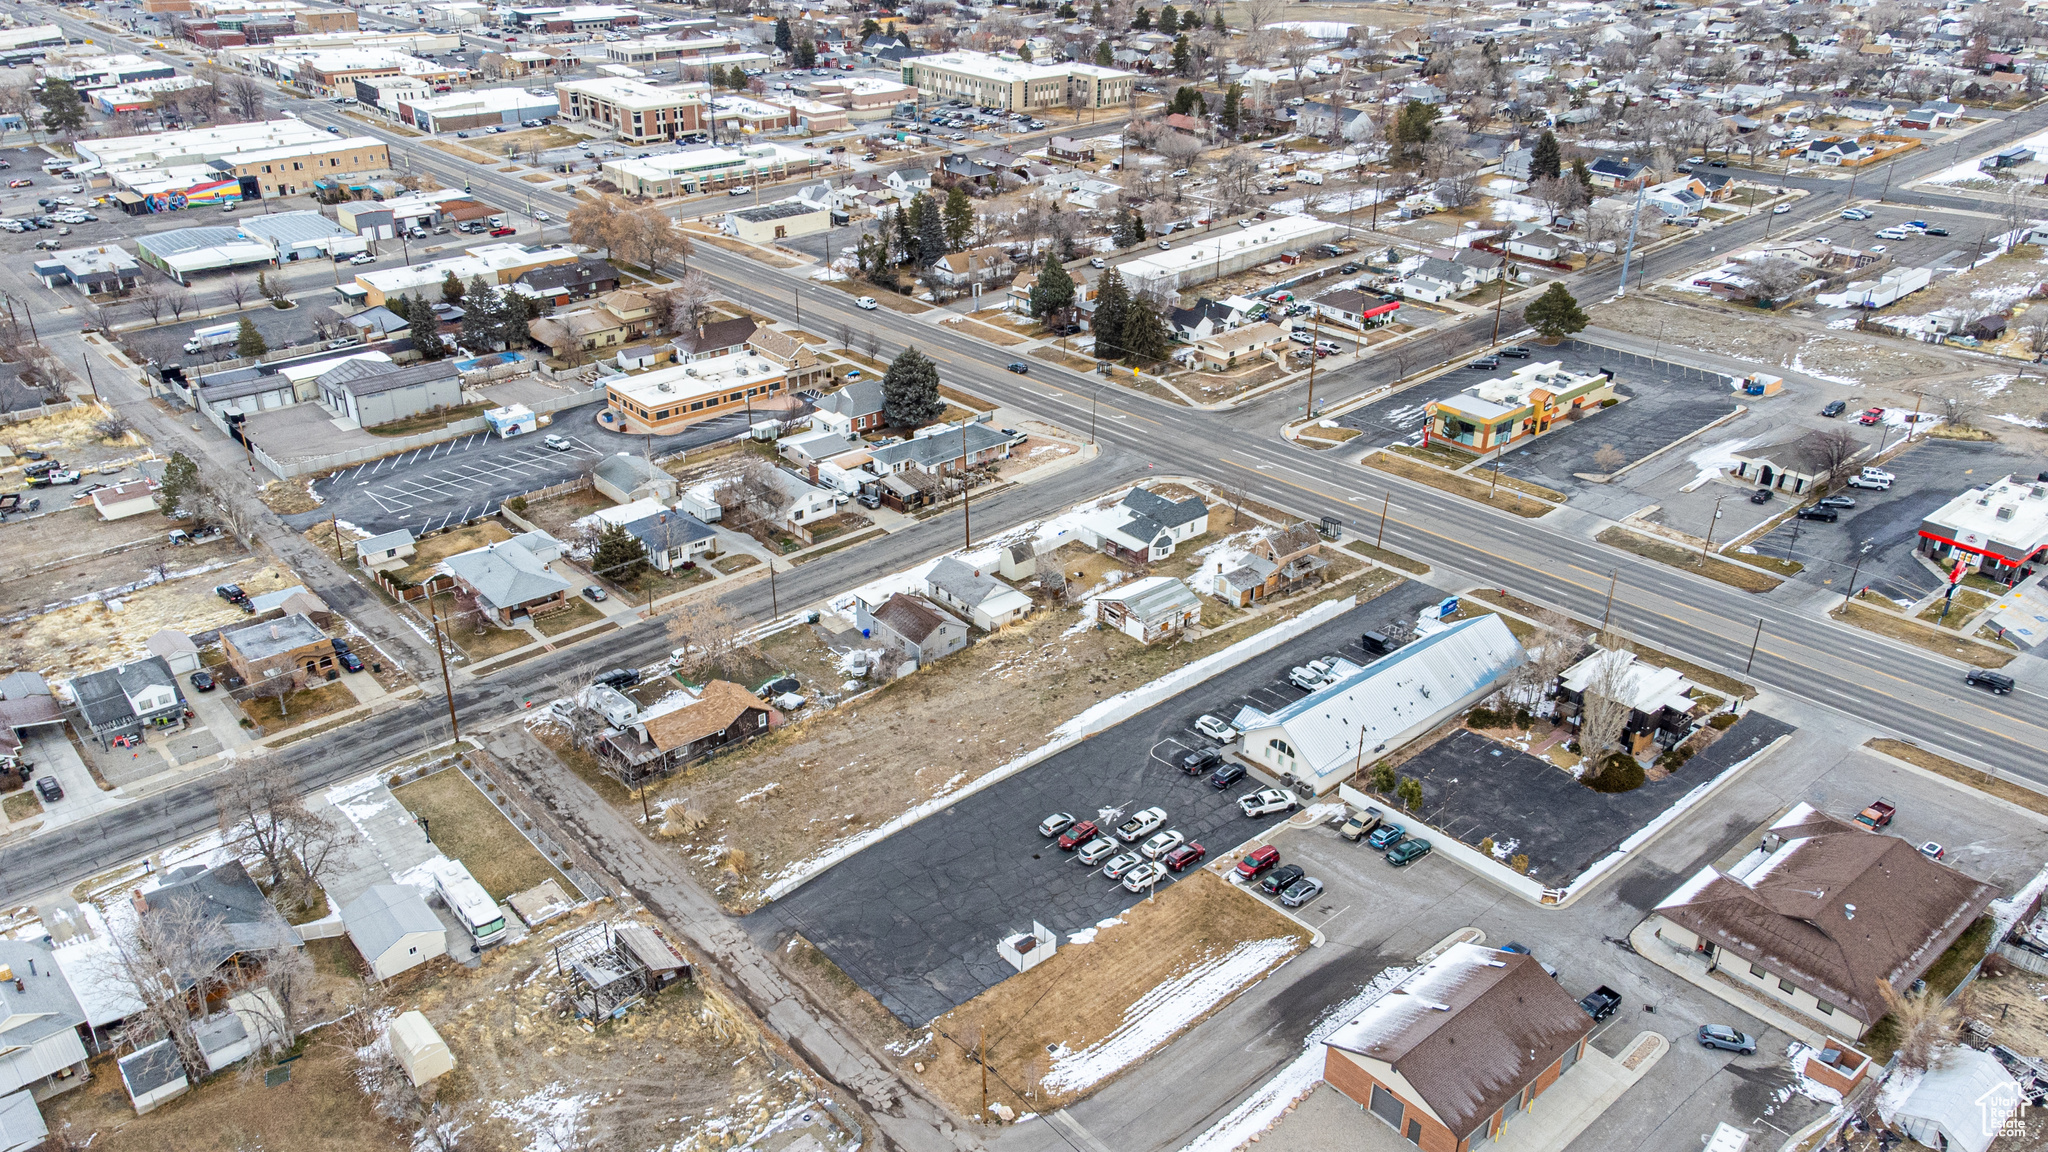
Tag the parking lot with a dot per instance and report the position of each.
(915, 919)
(1930, 474)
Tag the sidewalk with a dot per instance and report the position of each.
(1692, 968)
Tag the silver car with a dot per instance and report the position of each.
(1096, 851)
(1118, 865)
(1163, 843)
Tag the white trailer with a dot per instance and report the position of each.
(212, 336)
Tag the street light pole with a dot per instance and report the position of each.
(1608, 616)
(1381, 539)
(966, 505)
(1708, 546)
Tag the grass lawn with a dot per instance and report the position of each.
(1777, 564)
(1885, 622)
(1085, 995)
(737, 562)
(301, 706)
(659, 584)
(1983, 782)
(435, 549)
(1318, 436)
(21, 804)
(490, 642)
(1509, 498)
(465, 826)
(579, 612)
(428, 421)
(1965, 605)
(1390, 559)
(1665, 552)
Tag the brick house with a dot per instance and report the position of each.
(292, 646)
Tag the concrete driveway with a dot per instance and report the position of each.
(50, 750)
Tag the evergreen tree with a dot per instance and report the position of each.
(1216, 23)
(807, 54)
(1585, 178)
(1555, 314)
(1183, 56)
(1066, 12)
(1547, 161)
(959, 218)
(178, 497)
(1129, 228)
(426, 334)
(910, 391)
(248, 341)
(928, 230)
(1187, 101)
(1112, 306)
(1024, 52)
(1144, 336)
(514, 312)
(1095, 13)
(1412, 128)
(1169, 19)
(1141, 21)
(1053, 291)
(483, 314)
(451, 288)
(63, 112)
(784, 42)
(868, 28)
(906, 244)
(621, 556)
(1233, 107)
(1103, 57)
(397, 306)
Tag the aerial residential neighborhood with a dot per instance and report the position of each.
(1336, 576)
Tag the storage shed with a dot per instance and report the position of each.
(1960, 1104)
(418, 1048)
(152, 1076)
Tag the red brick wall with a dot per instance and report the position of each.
(1356, 1082)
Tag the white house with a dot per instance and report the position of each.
(907, 184)
(1144, 526)
(1537, 245)
(976, 594)
(391, 925)
(1146, 610)
(124, 500)
(392, 549)
(808, 503)
(1327, 735)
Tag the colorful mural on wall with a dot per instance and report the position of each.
(215, 192)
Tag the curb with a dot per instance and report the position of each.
(1977, 793)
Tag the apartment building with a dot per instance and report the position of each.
(636, 111)
(1014, 85)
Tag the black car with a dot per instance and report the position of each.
(1834, 408)
(1019, 367)
(50, 789)
(203, 681)
(1997, 682)
(1760, 496)
(1195, 762)
(340, 645)
(1717, 163)
(1225, 776)
(351, 661)
(1824, 515)
(1484, 363)
(1601, 1002)
(1934, 231)
(1279, 878)
(1515, 353)
(232, 593)
(619, 678)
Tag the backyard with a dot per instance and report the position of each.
(466, 826)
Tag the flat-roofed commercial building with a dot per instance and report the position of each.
(487, 107)
(496, 263)
(864, 97)
(655, 49)
(671, 399)
(636, 111)
(1999, 528)
(1225, 251)
(571, 18)
(702, 169)
(1014, 85)
(169, 171)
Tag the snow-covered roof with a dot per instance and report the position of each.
(1644, 688)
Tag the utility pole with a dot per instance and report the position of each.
(335, 524)
(1500, 300)
(1094, 391)
(1856, 572)
(434, 613)
(1315, 354)
(1753, 641)
(1608, 616)
(1709, 545)
(966, 506)
(87, 358)
(1381, 539)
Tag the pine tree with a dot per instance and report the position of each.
(784, 42)
(63, 112)
(451, 288)
(1024, 52)
(426, 330)
(483, 315)
(1169, 19)
(1095, 13)
(1183, 56)
(906, 244)
(910, 391)
(248, 341)
(959, 217)
(1129, 228)
(515, 311)
(807, 54)
(1555, 315)
(1144, 335)
(1141, 21)
(1585, 178)
(620, 555)
(1547, 161)
(1233, 107)
(1103, 57)
(928, 230)
(1053, 291)
(178, 495)
(1066, 12)
(868, 28)
(1112, 306)
(1187, 101)
(1216, 23)
(1413, 127)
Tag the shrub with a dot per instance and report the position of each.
(1409, 793)
(1520, 863)
(1618, 773)
(1482, 718)
(516, 504)
(1610, 402)
(1486, 846)
(1723, 722)
(1383, 777)
(1524, 719)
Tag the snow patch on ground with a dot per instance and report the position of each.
(2005, 912)
(1291, 1083)
(1715, 459)
(2022, 421)
(551, 1119)
(1163, 1012)
(857, 658)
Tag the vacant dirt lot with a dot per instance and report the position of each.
(50, 558)
(1783, 342)
(102, 631)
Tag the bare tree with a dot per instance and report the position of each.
(179, 298)
(1774, 279)
(172, 957)
(1828, 451)
(237, 291)
(873, 344)
(689, 302)
(150, 298)
(845, 336)
(113, 427)
(709, 633)
(1560, 194)
(1609, 458)
(1605, 709)
(1958, 406)
(1926, 1024)
(241, 96)
(2034, 329)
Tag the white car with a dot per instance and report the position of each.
(742, 190)
(1097, 262)
(1781, 209)
(1144, 876)
(558, 443)
(1893, 234)
(1163, 843)
(1875, 248)
(1855, 214)
(1140, 826)
(1309, 675)
(1096, 851)
(1868, 482)
(1215, 729)
(1877, 474)
(866, 304)
(1267, 801)
(362, 258)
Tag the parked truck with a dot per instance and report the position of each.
(212, 336)
(1878, 815)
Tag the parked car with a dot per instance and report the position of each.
(1258, 861)
(1215, 729)
(1096, 851)
(1141, 825)
(1301, 892)
(1601, 1002)
(1361, 823)
(559, 443)
(1198, 761)
(1816, 512)
(1307, 676)
(1727, 1039)
(51, 790)
(232, 593)
(1933, 851)
(1385, 836)
(866, 304)
(350, 661)
(1097, 262)
(1997, 683)
(593, 593)
(1267, 801)
(1836, 502)
(1515, 353)
(1760, 496)
(1834, 408)
(1116, 866)
(504, 230)
(1855, 214)
(1144, 876)
(203, 681)
(1877, 474)
(1868, 482)
(362, 258)
(1870, 416)
(1184, 857)
(1278, 880)
(1055, 824)
(619, 678)
(1078, 833)
(1485, 363)
(1162, 843)
(1407, 852)
(1934, 231)
(1225, 776)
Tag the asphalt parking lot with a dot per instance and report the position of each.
(467, 477)
(1930, 474)
(1473, 787)
(916, 918)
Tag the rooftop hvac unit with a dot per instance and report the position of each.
(664, 388)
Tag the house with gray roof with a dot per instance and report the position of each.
(391, 925)
(21, 1123)
(939, 449)
(853, 409)
(41, 1048)
(1144, 526)
(374, 392)
(624, 478)
(508, 580)
(975, 593)
(153, 1075)
(239, 918)
(387, 550)
(119, 703)
(1150, 609)
(912, 624)
(673, 538)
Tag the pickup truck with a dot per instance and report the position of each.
(1601, 1002)
(1361, 823)
(1141, 825)
(1878, 815)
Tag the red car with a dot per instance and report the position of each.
(504, 231)
(1078, 835)
(1258, 861)
(1871, 417)
(21, 183)
(1185, 857)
